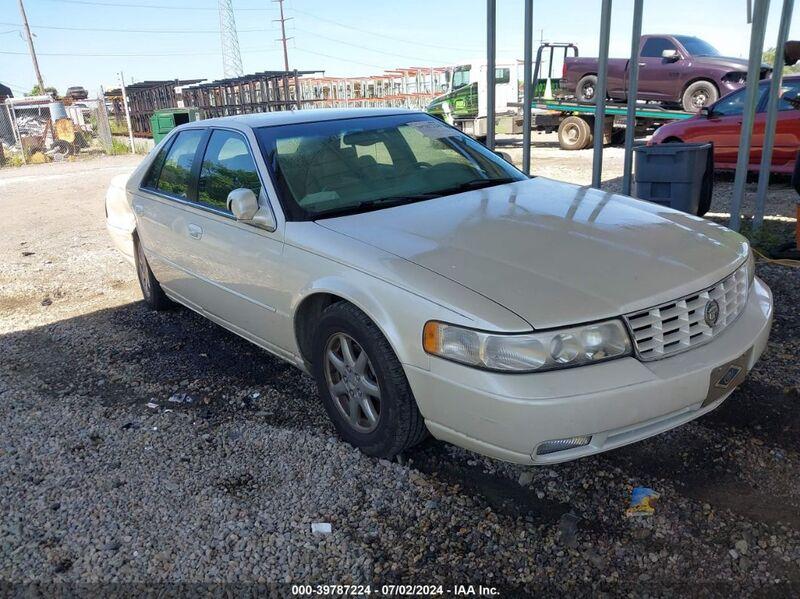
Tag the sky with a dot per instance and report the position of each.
(89, 42)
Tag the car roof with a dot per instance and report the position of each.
(290, 117)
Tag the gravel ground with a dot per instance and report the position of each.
(107, 480)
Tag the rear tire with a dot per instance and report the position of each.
(151, 289)
(587, 89)
(353, 386)
(699, 94)
(574, 133)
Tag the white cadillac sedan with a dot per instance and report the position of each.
(429, 286)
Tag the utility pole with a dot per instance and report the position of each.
(31, 48)
(127, 111)
(283, 37)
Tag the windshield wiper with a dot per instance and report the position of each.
(387, 202)
(476, 184)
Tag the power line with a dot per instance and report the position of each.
(160, 6)
(118, 30)
(389, 37)
(326, 55)
(367, 48)
(129, 54)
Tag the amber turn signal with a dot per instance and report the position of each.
(431, 339)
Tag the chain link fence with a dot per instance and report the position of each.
(37, 130)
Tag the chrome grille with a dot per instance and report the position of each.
(680, 325)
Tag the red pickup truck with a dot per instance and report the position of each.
(672, 69)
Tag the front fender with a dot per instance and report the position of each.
(398, 314)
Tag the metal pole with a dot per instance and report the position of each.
(772, 114)
(527, 69)
(127, 111)
(283, 37)
(600, 94)
(31, 49)
(491, 13)
(633, 92)
(760, 10)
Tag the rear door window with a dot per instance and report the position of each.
(176, 174)
(227, 165)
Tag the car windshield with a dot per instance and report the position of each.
(330, 168)
(697, 47)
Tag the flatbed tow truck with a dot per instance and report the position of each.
(463, 105)
(574, 121)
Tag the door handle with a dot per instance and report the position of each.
(641, 64)
(138, 209)
(195, 231)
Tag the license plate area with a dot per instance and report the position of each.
(727, 377)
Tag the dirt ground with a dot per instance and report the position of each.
(108, 478)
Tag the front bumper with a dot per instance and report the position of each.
(506, 416)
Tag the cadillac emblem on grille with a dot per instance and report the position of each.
(711, 313)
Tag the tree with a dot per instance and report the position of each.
(769, 57)
(36, 91)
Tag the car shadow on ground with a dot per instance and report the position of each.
(131, 358)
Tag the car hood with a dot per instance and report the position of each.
(725, 62)
(554, 253)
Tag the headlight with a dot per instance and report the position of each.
(528, 352)
(735, 77)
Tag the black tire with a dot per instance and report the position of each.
(618, 137)
(586, 89)
(699, 94)
(399, 423)
(151, 289)
(574, 133)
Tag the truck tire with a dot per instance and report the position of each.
(574, 133)
(699, 94)
(587, 87)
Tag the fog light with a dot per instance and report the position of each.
(562, 444)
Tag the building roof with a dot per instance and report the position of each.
(5, 91)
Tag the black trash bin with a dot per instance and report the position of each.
(677, 175)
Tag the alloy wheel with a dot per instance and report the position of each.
(352, 382)
(141, 270)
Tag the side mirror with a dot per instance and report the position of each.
(443, 87)
(670, 55)
(706, 112)
(243, 203)
(792, 98)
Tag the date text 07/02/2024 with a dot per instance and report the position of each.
(394, 590)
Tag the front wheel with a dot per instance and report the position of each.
(698, 95)
(362, 384)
